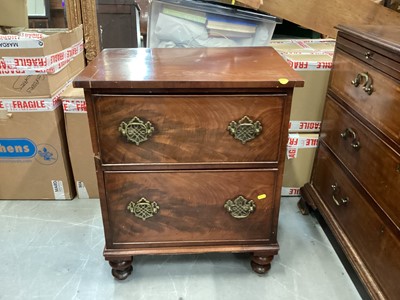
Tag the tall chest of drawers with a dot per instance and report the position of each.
(189, 146)
(356, 175)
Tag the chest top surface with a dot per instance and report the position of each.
(138, 68)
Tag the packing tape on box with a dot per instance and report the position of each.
(74, 105)
(20, 44)
(295, 142)
(308, 65)
(23, 40)
(9, 37)
(290, 191)
(33, 35)
(33, 104)
(305, 126)
(50, 64)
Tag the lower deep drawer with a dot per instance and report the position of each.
(371, 238)
(190, 207)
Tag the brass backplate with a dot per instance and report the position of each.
(245, 129)
(143, 208)
(240, 207)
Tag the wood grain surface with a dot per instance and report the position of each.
(191, 207)
(244, 67)
(189, 129)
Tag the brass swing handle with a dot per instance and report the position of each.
(363, 77)
(348, 132)
(335, 191)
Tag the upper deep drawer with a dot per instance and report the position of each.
(376, 165)
(380, 105)
(189, 129)
(375, 244)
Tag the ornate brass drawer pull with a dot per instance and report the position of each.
(363, 77)
(245, 130)
(136, 131)
(143, 209)
(348, 132)
(335, 191)
(240, 207)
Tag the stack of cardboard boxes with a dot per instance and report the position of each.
(35, 68)
(312, 59)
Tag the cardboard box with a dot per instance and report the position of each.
(303, 46)
(299, 162)
(79, 143)
(34, 161)
(312, 59)
(14, 13)
(37, 64)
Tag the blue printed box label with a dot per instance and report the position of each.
(17, 148)
(25, 149)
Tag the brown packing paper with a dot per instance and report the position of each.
(79, 143)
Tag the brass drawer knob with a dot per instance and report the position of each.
(367, 79)
(245, 129)
(136, 131)
(348, 132)
(335, 191)
(240, 207)
(143, 208)
(368, 55)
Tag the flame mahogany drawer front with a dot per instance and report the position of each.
(187, 129)
(355, 182)
(208, 212)
(189, 147)
(359, 221)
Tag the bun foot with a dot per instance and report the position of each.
(121, 269)
(303, 207)
(261, 264)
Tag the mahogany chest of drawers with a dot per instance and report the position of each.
(356, 176)
(189, 146)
